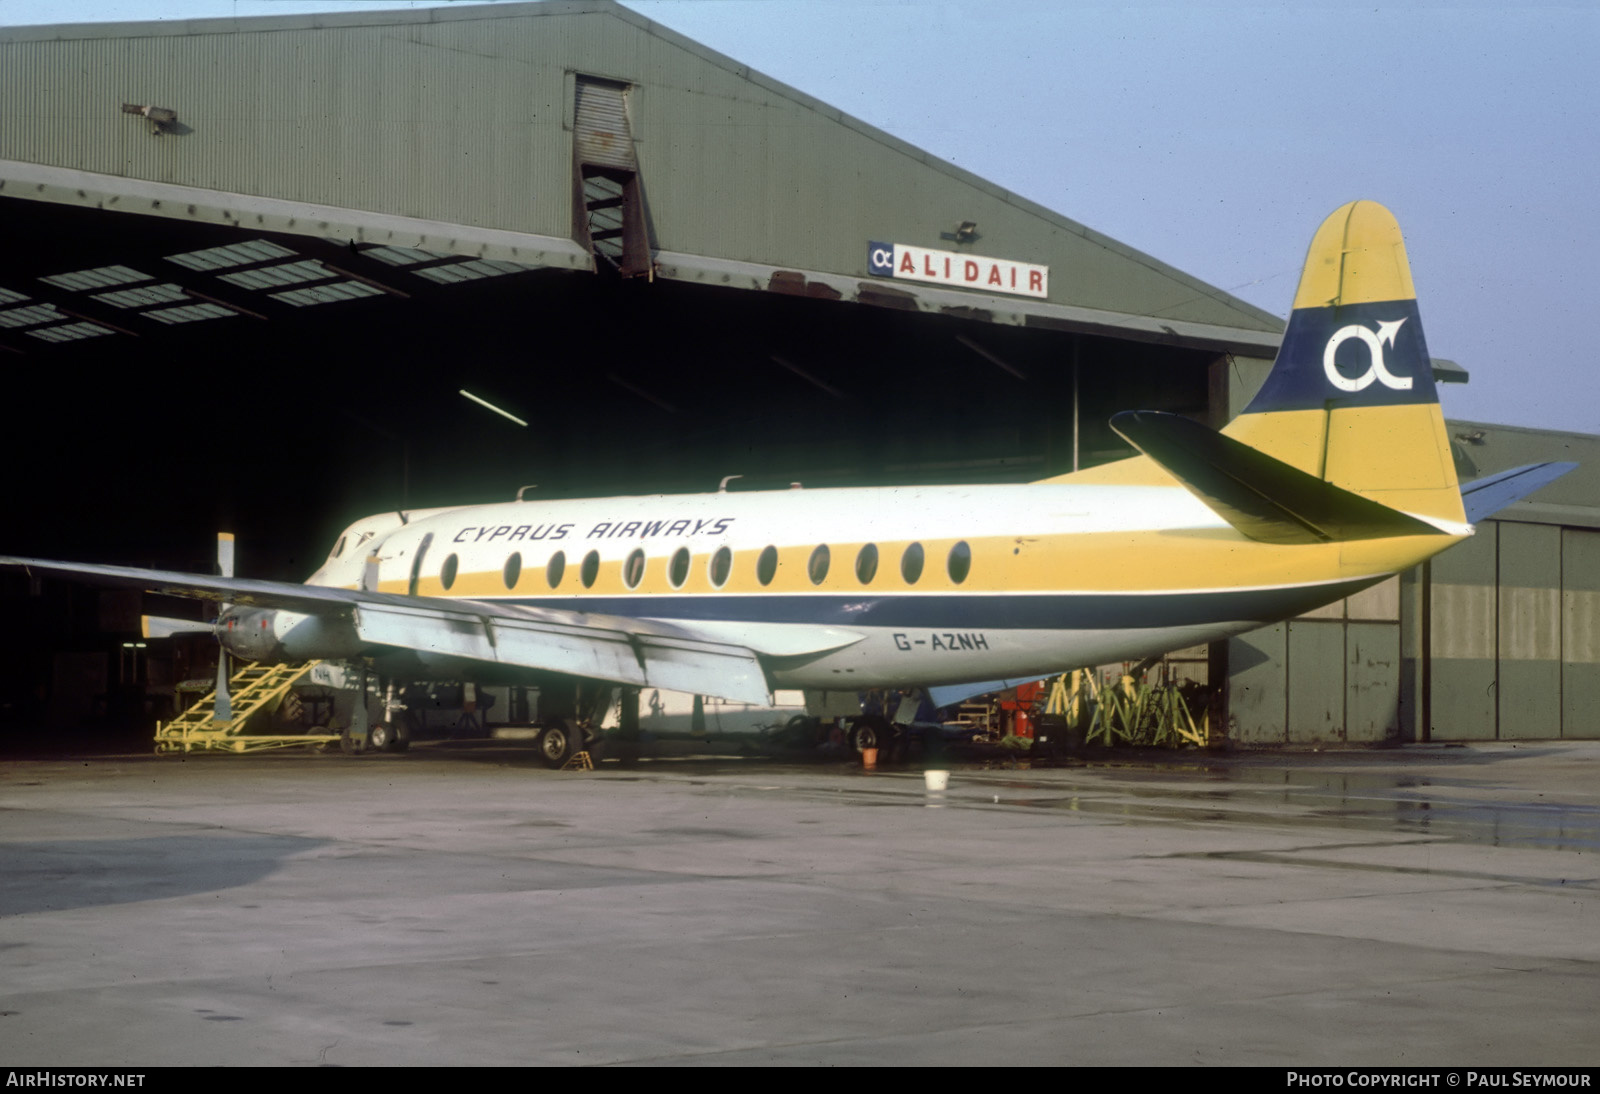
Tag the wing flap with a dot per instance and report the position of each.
(1264, 498)
(638, 655)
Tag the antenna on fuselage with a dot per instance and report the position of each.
(722, 487)
(524, 489)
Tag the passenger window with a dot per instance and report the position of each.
(867, 563)
(767, 565)
(513, 569)
(633, 569)
(591, 569)
(911, 564)
(960, 562)
(447, 572)
(722, 566)
(678, 572)
(817, 568)
(556, 568)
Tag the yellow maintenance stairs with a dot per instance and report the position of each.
(256, 692)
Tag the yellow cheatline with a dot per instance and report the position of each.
(1356, 257)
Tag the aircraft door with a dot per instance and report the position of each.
(416, 563)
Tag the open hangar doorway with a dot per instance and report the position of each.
(156, 402)
(283, 420)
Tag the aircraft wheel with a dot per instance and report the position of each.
(872, 732)
(382, 737)
(557, 743)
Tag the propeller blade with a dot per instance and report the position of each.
(225, 554)
(222, 709)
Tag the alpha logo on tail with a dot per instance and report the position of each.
(1376, 369)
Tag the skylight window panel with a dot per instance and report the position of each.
(449, 275)
(326, 294)
(400, 256)
(191, 313)
(234, 254)
(30, 316)
(270, 277)
(471, 271)
(68, 332)
(100, 278)
(144, 297)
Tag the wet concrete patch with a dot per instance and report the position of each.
(54, 875)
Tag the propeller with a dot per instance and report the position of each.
(222, 708)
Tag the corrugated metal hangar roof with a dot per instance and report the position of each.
(451, 132)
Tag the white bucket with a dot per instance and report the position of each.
(936, 780)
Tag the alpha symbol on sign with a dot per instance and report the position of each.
(1376, 368)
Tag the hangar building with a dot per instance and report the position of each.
(251, 263)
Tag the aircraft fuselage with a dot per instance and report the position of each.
(941, 584)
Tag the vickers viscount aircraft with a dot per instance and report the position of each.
(1336, 476)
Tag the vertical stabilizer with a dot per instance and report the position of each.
(1351, 398)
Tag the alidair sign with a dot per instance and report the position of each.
(965, 271)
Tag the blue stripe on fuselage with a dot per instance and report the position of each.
(1053, 611)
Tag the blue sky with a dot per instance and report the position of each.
(1215, 136)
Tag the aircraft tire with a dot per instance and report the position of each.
(557, 743)
(871, 732)
(383, 738)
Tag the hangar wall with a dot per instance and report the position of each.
(1496, 639)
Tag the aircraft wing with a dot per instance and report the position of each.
(634, 652)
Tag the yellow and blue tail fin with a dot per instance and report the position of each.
(1350, 398)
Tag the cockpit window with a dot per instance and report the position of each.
(338, 548)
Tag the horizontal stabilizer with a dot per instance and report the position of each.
(1485, 497)
(1264, 498)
